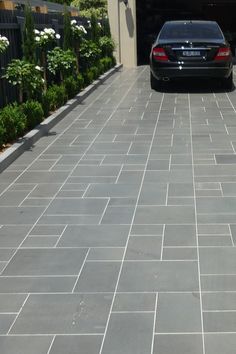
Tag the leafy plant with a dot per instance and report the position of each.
(89, 53)
(53, 98)
(107, 46)
(80, 82)
(2, 133)
(71, 86)
(95, 28)
(26, 76)
(87, 7)
(62, 61)
(46, 37)
(13, 121)
(28, 37)
(34, 113)
(4, 43)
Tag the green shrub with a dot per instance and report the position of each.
(80, 82)
(53, 98)
(14, 121)
(88, 77)
(89, 54)
(107, 63)
(107, 46)
(34, 113)
(2, 133)
(71, 86)
(95, 71)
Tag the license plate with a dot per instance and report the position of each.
(191, 53)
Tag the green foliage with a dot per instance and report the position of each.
(34, 113)
(4, 43)
(53, 98)
(80, 82)
(87, 7)
(13, 121)
(68, 34)
(71, 86)
(106, 30)
(29, 37)
(90, 53)
(45, 38)
(107, 63)
(95, 71)
(63, 61)
(88, 77)
(95, 29)
(107, 46)
(62, 2)
(26, 76)
(2, 133)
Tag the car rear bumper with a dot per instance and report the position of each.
(179, 71)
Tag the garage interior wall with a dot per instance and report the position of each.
(124, 30)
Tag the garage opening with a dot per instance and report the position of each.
(151, 15)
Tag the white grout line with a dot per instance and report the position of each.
(50, 347)
(154, 324)
(59, 238)
(81, 269)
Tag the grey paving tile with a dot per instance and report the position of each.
(223, 301)
(217, 260)
(94, 236)
(219, 321)
(133, 302)
(226, 159)
(46, 262)
(164, 215)
(45, 190)
(178, 313)
(69, 219)
(118, 215)
(13, 235)
(20, 215)
(212, 229)
(106, 254)
(47, 230)
(36, 284)
(180, 343)
(63, 314)
(42, 177)
(77, 206)
(98, 277)
(11, 302)
(169, 176)
(218, 282)
(217, 205)
(180, 253)
(123, 201)
(220, 343)
(153, 194)
(76, 344)
(102, 171)
(144, 248)
(129, 333)
(13, 198)
(180, 190)
(147, 230)
(159, 276)
(130, 177)
(215, 241)
(39, 241)
(25, 344)
(112, 190)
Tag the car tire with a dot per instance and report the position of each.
(228, 82)
(155, 84)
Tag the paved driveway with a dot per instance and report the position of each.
(118, 229)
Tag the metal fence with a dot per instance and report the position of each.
(11, 26)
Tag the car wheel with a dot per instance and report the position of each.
(155, 84)
(228, 83)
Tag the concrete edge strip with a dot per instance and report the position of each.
(24, 143)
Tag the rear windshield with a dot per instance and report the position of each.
(190, 30)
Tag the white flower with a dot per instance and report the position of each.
(38, 68)
(45, 36)
(99, 24)
(73, 22)
(4, 39)
(49, 30)
(37, 39)
(58, 36)
(43, 80)
(36, 31)
(83, 29)
(42, 33)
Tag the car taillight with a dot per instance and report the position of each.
(223, 53)
(159, 54)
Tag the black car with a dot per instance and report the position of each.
(191, 49)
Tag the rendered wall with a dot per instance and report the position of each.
(123, 28)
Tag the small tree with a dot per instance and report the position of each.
(29, 37)
(62, 61)
(95, 28)
(67, 42)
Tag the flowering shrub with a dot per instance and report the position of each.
(4, 43)
(26, 76)
(60, 60)
(90, 53)
(45, 37)
(78, 30)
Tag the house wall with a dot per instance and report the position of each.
(124, 31)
